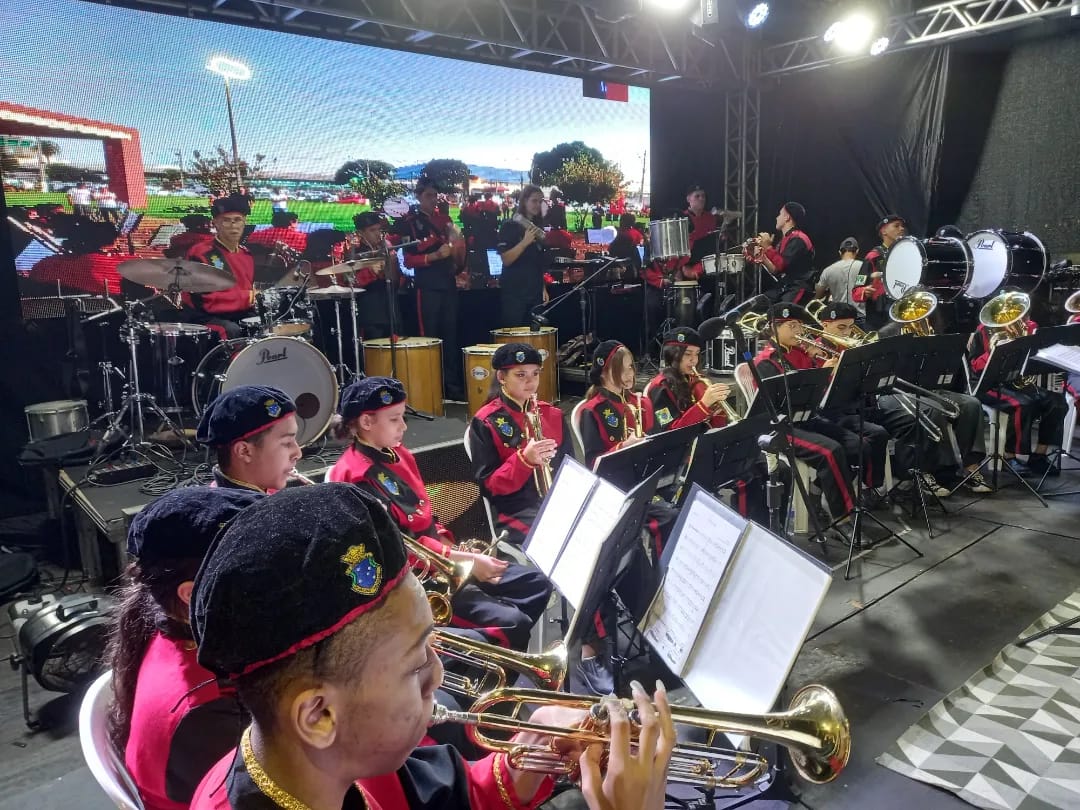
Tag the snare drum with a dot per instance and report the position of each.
(285, 311)
(685, 305)
(546, 341)
(1004, 259)
(289, 364)
(252, 327)
(419, 367)
(941, 265)
(669, 238)
(175, 352)
(478, 373)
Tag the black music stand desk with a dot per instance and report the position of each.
(664, 453)
(723, 454)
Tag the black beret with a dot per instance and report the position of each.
(283, 219)
(690, 189)
(290, 571)
(195, 222)
(233, 204)
(838, 311)
(890, 218)
(365, 219)
(683, 336)
(242, 412)
(183, 523)
(778, 313)
(851, 243)
(370, 394)
(601, 357)
(795, 211)
(516, 354)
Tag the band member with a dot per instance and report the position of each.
(822, 452)
(380, 283)
(626, 243)
(1024, 402)
(169, 719)
(197, 229)
(869, 284)
(433, 264)
(838, 279)
(521, 246)
(283, 228)
(508, 457)
(502, 599)
(341, 692)
(679, 395)
(252, 428)
(225, 309)
(704, 228)
(792, 261)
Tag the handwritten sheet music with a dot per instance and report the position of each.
(578, 560)
(704, 547)
(571, 489)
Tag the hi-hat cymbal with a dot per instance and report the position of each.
(335, 291)
(180, 274)
(350, 266)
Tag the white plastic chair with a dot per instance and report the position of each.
(575, 431)
(101, 758)
(1070, 423)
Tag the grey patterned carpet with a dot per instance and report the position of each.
(1010, 736)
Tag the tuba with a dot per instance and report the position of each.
(491, 665)
(1072, 306)
(913, 310)
(442, 578)
(1006, 314)
(542, 475)
(814, 731)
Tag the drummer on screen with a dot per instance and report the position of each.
(224, 310)
(870, 284)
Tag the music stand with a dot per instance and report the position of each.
(662, 453)
(721, 455)
(863, 371)
(540, 316)
(928, 362)
(1006, 363)
(1062, 335)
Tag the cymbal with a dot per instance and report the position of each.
(350, 266)
(179, 273)
(335, 291)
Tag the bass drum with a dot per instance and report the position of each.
(290, 364)
(941, 265)
(1005, 259)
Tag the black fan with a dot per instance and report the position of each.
(59, 641)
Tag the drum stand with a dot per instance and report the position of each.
(391, 294)
(340, 368)
(134, 399)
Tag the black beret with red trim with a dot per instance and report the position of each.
(242, 412)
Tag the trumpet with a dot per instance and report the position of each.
(531, 226)
(814, 730)
(912, 311)
(446, 577)
(546, 669)
(542, 475)
(721, 404)
(634, 404)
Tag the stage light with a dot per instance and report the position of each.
(878, 46)
(229, 68)
(670, 6)
(758, 14)
(852, 33)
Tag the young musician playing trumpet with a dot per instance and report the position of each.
(502, 599)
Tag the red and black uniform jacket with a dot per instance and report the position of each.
(559, 239)
(772, 362)
(980, 346)
(181, 724)
(432, 778)
(670, 415)
(793, 259)
(239, 297)
(607, 420)
(393, 477)
(291, 237)
(184, 241)
(222, 480)
(431, 232)
(498, 435)
(868, 289)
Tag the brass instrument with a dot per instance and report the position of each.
(837, 342)
(861, 337)
(1072, 305)
(546, 669)
(827, 350)
(1006, 314)
(815, 307)
(639, 428)
(296, 475)
(720, 405)
(814, 730)
(542, 475)
(913, 310)
(529, 225)
(753, 323)
(442, 578)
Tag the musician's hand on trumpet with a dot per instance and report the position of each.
(715, 393)
(485, 568)
(540, 451)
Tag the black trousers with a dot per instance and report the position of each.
(826, 457)
(504, 611)
(1025, 406)
(969, 428)
(870, 448)
(515, 306)
(229, 322)
(900, 425)
(437, 312)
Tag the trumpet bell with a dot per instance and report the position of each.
(1007, 310)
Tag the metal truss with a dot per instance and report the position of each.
(569, 37)
(742, 120)
(930, 24)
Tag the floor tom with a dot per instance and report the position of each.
(175, 351)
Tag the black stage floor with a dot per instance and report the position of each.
(891, 642)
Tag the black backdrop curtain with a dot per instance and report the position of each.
(854, 142)
(687, 141)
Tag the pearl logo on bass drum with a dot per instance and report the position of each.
(267, 356)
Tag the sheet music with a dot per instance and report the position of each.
(704, 546)
(1065, 357)
(757, 626)
(569, 491)
(575, 566)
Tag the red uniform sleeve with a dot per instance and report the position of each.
(980, 350)
(489, 790)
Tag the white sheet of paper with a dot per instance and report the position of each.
(570, 490)
(704, 548)
(1066, 357)
(752, 637)
(575, 566)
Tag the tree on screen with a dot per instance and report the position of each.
(218, 171)
(448, 174)
(584, 180)
(363, 169)
(547, 165)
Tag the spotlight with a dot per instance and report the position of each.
(852, 33)
(878, 46)
(758, 14)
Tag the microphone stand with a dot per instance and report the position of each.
(584, 300)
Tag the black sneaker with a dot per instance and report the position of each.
(1040, 465)
(594, 676)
